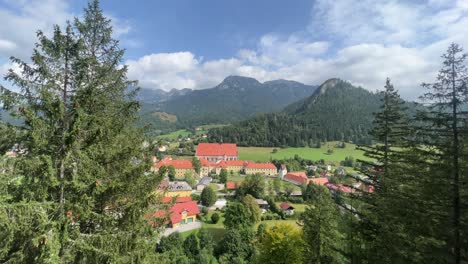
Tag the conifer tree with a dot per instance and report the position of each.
(84, 184)
(444, 134)
(380, 211)
(320, 229)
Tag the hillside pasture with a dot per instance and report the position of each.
(262, 154)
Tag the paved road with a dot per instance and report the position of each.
(182, 228)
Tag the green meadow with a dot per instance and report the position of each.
(262, 154)
(186, 133)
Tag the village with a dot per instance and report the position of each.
(216, 166)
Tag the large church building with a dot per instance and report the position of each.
(214, 152)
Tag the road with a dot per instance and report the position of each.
(182, 228)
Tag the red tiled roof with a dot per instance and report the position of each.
(232, 185)
(216, 149)
(177, 200)
(286, 206)
(178, 164)
(319, 181)
(177, 209)
(205, 163)
(339, 187)
(297, 177)
(270, 166)
(239, 163)
(221, 164)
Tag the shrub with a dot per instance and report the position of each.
(205, 210)
(215, 218)
(296, 199)
(195, 197)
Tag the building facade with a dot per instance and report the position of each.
(268, 169)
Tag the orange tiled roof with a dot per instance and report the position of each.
(177, 200)
(239, 163)
(232, 185)
(297, 177)
(178, 164)
(319, 181)
(216, 149)
(191, 208)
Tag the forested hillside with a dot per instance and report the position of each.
(236, 98)
(336, 111)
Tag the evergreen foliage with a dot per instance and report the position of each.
(208, 196)
(83, 182)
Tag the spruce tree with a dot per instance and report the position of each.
(443, 134)
(320, 229)
(84, 184)
(382, 211)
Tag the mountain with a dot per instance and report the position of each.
(336, 110)
(153, 96)
(236, 98)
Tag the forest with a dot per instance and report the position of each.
(81, 189)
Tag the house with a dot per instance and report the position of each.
(236, 166)
(335, 188)
(177, 199)
(213, 152)
(287, 208)
(173, 189)
(182, 166)
(312, 167)
(282, 171)
(319, 181)
(179, 214)
(203, 183)
(297, 178)
(297, 193)
(328, 167)
(268, 169)
(340, 171)
(263, 205)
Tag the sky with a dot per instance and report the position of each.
(196, 44)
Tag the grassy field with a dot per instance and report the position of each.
(239, 178)
(236, 178)
(185, 133)
(265, 154)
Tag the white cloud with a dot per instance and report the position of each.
(6, 45)
(360, 41)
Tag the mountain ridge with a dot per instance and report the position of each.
(236, 98)
(336, 110)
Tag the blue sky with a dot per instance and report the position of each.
(196, 44)
(212, 28)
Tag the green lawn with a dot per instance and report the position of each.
(217, 230)
(235, 178)
(214, 186)
(185, 133)
(265, 154)
(239, 178)
(174, 135)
